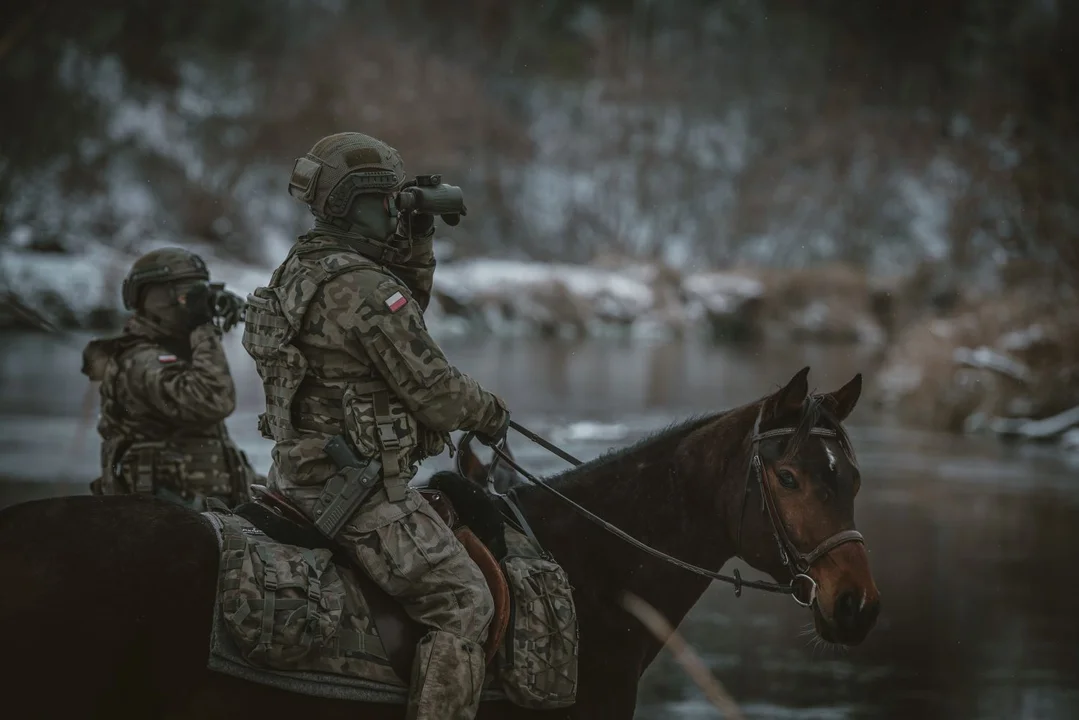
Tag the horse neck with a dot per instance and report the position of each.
(664, 492)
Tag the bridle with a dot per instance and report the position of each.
(797, 562)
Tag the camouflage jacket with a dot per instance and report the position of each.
(163, 406)
(331, 334)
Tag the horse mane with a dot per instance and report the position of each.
(673, 432)
(814, 412)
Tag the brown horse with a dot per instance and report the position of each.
(107, 601)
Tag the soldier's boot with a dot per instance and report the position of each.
(447, 678)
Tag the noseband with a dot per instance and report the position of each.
(798, 563)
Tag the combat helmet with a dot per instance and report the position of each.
(341, 166)
(165, 265)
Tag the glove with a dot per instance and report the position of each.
(499, 435)
(196, 302)
(414, 225)
(228, 307)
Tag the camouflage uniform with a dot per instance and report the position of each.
(340, 342)
(165, 393)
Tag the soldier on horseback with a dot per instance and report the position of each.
(166, 388)
(358, 393)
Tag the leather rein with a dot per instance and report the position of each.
(797, 562)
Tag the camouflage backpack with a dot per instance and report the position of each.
(281, 603)
(537, 663)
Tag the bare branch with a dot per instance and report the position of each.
(683, 654)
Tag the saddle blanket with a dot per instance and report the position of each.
(291, 607)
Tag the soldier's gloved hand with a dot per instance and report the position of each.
(419, 225)
(196, 302)
(499, 435)
(228, 308)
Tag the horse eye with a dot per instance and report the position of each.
(787, 480)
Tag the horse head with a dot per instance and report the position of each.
(793, 516)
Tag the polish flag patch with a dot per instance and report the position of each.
(395, 302)
(166, 359)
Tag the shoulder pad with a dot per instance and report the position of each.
(338, 263)
(366, 275)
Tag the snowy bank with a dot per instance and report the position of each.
(83, 291)
(1007, 365)
(502, 297)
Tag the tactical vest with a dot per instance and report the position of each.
(150, 454)
(298, 401)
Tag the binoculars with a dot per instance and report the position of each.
(428, 195)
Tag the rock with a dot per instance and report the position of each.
(1008, 364)
(731, 304)
(548, 298)
(987, 359)
(824, 304)
(1044, 429)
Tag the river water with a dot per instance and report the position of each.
(972, 543)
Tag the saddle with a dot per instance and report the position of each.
(462, 505)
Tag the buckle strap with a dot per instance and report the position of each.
(510, 498)
(388, 441)
(314, 597)
(269, 579)
(350, 643)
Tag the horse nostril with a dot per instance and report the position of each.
(848, 606)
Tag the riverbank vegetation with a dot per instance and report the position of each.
(899, 176)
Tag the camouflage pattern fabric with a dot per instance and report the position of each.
(288, 608)
(163, 406)
(409, 551)
(331, 332)
(537, 664)
(267, 592)
(447, 678)
(418, 273)
(331, 320)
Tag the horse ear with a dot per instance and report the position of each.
(841, 402)
(789, 399)
(471, 466)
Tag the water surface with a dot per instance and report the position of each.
(972, 543)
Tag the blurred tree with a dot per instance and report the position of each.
(803, 130)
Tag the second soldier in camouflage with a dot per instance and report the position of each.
(166, 388)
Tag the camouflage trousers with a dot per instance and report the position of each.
(413, 555)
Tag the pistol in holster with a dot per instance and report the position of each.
(346, 490)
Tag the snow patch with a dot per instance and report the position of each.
(590, 432)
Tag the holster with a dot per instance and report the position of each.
(344, 492)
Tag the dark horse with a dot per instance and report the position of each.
(499, 474)
(106, 603)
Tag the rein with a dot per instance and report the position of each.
(791, 557)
